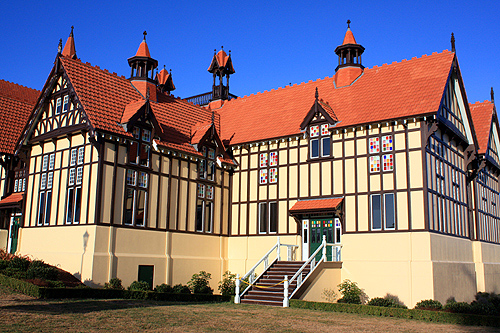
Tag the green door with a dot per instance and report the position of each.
(14, 234)
(146, 274)
(320, 227)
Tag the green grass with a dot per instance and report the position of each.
(19, 313)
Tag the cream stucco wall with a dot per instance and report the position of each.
(4, 237)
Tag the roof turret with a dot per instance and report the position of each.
(69, 48)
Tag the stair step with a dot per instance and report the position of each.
(261, 302)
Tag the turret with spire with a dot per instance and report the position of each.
(142, 70)
(165, 83)
(349, 53)
(221, 66)
(69, 48)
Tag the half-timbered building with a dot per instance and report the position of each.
(392, 163)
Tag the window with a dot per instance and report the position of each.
(139, 151)
(204, 208)
(268, 175)
(206, 165)
(268, 217)
(58, 106)
(136, 198)
(382, 211)
(65, 104)
(75, 179)
(319, 146)
(387, 159)
(45, 189)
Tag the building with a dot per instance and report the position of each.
(125, 180)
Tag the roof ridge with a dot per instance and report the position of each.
(29, 95)
(405, 60)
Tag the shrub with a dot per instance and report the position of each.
(3, 264)
(56, 284)
(351, 293)
(483, 307)
(114, 283)
(19, 263)
(199, 283)
(228, 284)
(139, 286)
(39, 269)
(457, 307)
(164, 288)
(181, 289)
(329, 295)
(387, 302)
(429, 304)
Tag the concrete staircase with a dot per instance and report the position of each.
(268, 293)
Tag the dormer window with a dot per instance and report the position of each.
(140, 150)
(320, 142)
(206, 166)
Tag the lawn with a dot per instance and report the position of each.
(20, 313)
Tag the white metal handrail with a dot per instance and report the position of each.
(312, 261)
(251, 273)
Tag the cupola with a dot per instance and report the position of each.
(142, 71)
(221, 66)
(349, 53)
(69, 48)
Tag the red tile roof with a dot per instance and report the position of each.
(16, 104)
(481, 118)
(316, 204)
(12, 199)
(405, 89)
(108, 100)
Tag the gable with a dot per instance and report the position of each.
(493, 145)
(59, 110)
(453, 110)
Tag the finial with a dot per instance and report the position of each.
(452, 42)
(316, 94)
(213, 116)
(170, 71)
(144, 33)
(222, 47)
(492, 96)
(348, 24)
(71, 33)
(147, 93)
(59, 47)
(164, 67)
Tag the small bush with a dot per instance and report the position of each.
(329, 295)
(387, 302)
(139, 286)
(164, 288)
(457, 307)
(351, 293)
(429, 304)
(181, 289)
(114, 283)
(483, 307)
(227, 285)
(199, 283)
(3, 264)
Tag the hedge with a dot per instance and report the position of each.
(19, 285)
(59, 293)
(424, 315)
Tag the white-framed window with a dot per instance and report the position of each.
(382, 211)
(136, 198)
(65, 104)
(58, 106)
(45, 189)
(52, 159)
(204, 215)
(320, 144)
(74, 191)
(268, 217)
(206, 165)
(139, 152)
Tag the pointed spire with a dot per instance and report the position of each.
(492, 96)
(349, 37)
(69, 47)
(59, 47)
(452, 42)
(143, 50)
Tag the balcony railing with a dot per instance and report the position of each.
(204, 99)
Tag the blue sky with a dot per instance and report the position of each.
(272, 43)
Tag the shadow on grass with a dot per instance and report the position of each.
(85, 306)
